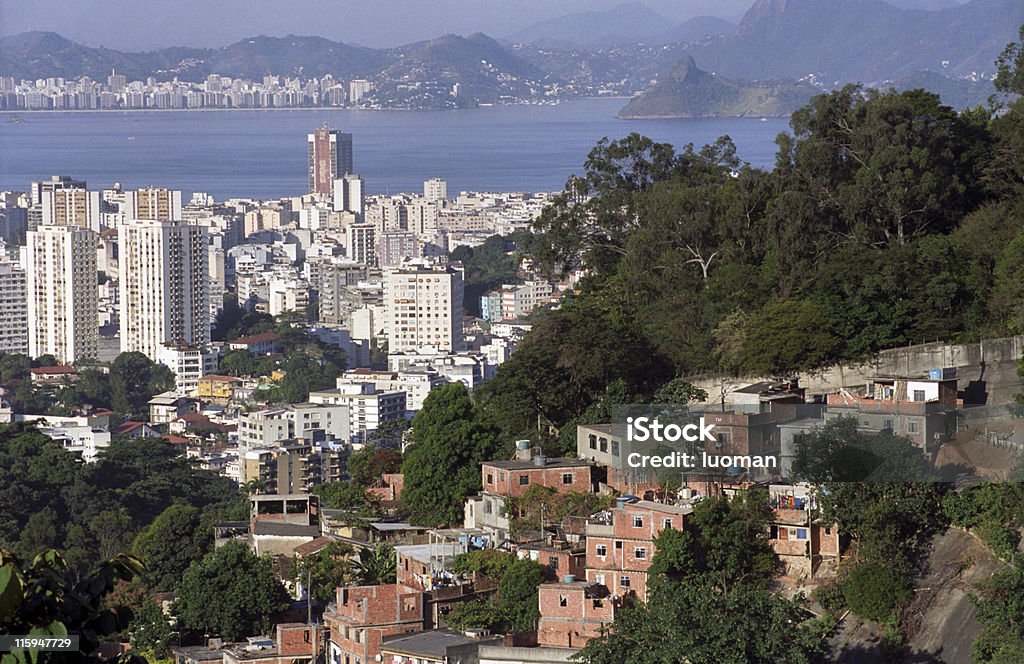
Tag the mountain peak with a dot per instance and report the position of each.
(686, 72)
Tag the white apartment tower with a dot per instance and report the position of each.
(423, 307)
(13, 309)
(435, 190)
(164, 285)
(61, 282)
(347, 194)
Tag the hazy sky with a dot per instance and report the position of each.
(143, 24)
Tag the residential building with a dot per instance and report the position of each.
(364, 615)
(217, 387)
(395, 246)
(63, 301)
(55, 183)
(153, 203)
(620, 544)
(573, 612)
(294, 643)
(423, 306)
(921, 409)
(169, 406)
(330, 157)
(361, 243)
(514, 478)
(189, 363)
(348, 195)
(334, 281)
(70, 207)
(164, 285)
(85, 435)
(437, 646)
(278, 523)
(368, 407)
(265, 428)
(58, 375)
(515, 302)
(806, 547)
(264, 343)
(288, 467)
(435, 190)
(14, 327)
(416, 383)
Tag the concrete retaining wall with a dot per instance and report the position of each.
(986, 370)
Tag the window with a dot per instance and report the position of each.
(615, 448)
(524, 480)
(566, 478)
(912, 426)
(598, 603)
(801, 533)
(599, 579)
(601, 550)
(501, 477)
(624, 581)
(563, 600)
(638, 522)
(487, 508)
(918, 395)
(666, 523)
(887, 424)
(553, 563)
(604, 444)
(828, 531)
(490, 478)
(640, 553)
(593, 442)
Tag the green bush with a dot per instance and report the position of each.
(830, 597)
(1001, 539)
(873, 591)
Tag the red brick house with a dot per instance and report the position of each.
(620, 544)
(572, 613)
(364, 615)
(514, 478)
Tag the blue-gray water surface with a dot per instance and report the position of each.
(262, 154)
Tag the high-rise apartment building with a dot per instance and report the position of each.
(13, 308)
(164, 285)
(423, 307)
(70, 207)
(361, 243)
(348, 194)
(435, 190)
(395, 246)
(330, 158)
(55, 183)
(153, 203)
(61, 281)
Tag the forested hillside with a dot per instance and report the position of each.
(888, 219)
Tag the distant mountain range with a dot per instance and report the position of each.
(819, 42)
(689, 92)
(624, 24)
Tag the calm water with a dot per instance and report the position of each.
(263, 153)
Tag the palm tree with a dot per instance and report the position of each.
(376, 565)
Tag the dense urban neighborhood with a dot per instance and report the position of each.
(683, 410)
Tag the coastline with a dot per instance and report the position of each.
(44, 111)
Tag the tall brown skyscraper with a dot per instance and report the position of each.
(330, 157)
